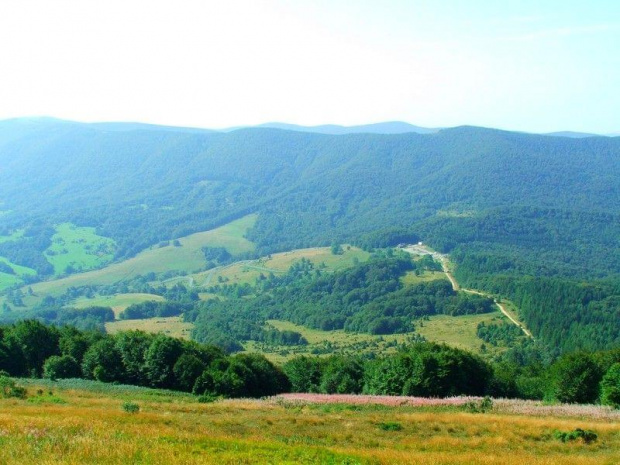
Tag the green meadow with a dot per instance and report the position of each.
(249, 271)
(117, 302)
(76, 248)
(86, 422)
(187, 257)
(10, 279)
(13, 236)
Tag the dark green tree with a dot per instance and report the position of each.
(103, 362)
(304, 373)
(575, 378)
(610, 386)
(343, 375)
(133, 346)
(37, 342)
(59, 367)
(186, 371)
(159, 361)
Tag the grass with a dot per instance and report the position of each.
(173, 326)
(79, 249)
(7, 279)
(411, 278)
(249, 271)
(91, 427)
(13, 236)
(117, 302)
(187, 257)
(457, 331)
(326, 343)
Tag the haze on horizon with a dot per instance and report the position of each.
(526, 66)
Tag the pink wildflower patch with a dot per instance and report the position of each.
(393, 401)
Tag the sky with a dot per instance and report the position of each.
(536, 66)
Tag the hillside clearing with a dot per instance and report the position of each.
(172, 326)
(117, 302)
(187, 257)
(76, 248)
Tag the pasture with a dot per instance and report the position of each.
(76, 248)
(326, 343)
(117, 302)
(75, 421)
(172, 326)
(457, 331)
(10, 279)
(187, 256)
(250, 270)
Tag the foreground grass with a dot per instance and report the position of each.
(83, 422)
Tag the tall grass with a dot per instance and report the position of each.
(91, 427)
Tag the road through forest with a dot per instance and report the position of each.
(420, 249)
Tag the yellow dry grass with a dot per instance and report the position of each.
(458, 331)
(91, 427)
(172, 326)
(249, 271)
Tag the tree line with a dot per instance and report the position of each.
(31, 349)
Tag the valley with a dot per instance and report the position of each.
(183, 263)
(290, 267)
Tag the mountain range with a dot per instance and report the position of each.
(502, 203)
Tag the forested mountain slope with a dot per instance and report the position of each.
(504, 204)
(140, 186)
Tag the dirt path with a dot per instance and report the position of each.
(420, 249)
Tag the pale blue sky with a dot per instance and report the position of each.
(524, 65)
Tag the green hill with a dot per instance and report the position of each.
(507, 206)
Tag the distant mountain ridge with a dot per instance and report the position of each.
(389, 127)
(386, 127)
(575, 135)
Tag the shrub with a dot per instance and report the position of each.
(208, 398)
(575, 379)
(8, 387)
(483, 406)
(130, 407)
(586, 435)
(390, 426)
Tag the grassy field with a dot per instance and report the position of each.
(83, 422)
(249, 271)
(117, 302)
(411, 278)
(79, 249)
(187, 257)
(173, 326)
(11, 237)
(457, 331)
(326, 343)
(8, 279)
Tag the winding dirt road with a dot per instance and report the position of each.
(420, 249)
